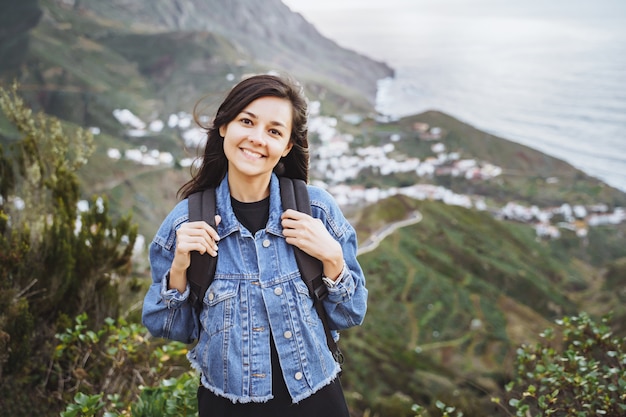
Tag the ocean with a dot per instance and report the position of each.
(549, 75)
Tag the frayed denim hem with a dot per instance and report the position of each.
(239, 399)
(321, 385)
(235, 398)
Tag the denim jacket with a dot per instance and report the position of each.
(257, 288)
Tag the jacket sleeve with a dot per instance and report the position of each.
(346, 303)
(166, 312)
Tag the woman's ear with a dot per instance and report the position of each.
(222, 130)
(287, 149)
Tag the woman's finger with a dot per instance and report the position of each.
(198, 236)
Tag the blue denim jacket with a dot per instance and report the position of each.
(257, 287)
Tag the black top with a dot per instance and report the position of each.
(253, 216)
(327, 402)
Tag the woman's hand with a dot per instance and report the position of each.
(310, 235)
(191, 236)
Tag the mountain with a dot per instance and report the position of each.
(81, 59)
(15, 22)
(266, 30)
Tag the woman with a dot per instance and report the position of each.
(261, 345)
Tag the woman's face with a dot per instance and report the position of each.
(256, 139)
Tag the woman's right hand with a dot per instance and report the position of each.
(191, 236)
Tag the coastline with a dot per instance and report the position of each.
(608, 168)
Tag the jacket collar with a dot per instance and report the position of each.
(229, 222)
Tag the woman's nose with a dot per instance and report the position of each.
(256, 136)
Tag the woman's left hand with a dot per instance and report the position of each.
(310, 235)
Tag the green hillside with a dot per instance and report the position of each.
(80, 67)
(451, 299)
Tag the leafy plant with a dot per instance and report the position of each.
(119, 358)
(84, 406)
(174, 397)
(56, 261)
(586, 376)
(445, 410)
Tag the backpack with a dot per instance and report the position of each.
(201, 271)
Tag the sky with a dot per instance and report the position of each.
(335, 19)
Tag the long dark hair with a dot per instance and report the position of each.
(214, 162)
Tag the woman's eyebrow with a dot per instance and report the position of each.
(254, 116)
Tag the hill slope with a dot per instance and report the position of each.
(268, 31)
(451, 299)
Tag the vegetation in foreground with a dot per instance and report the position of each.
(57, 260)
(577, 369)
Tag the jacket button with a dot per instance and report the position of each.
(287, 334)
(266, 243)
(298, 376)
(211, 296)
(278, 291)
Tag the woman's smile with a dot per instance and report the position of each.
(251, 154)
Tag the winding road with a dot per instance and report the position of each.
(373, 242)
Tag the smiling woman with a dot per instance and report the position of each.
(254, 143)
(261, 346)
(295, 164)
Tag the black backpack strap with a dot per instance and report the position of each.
(202, 268)
(294, 195)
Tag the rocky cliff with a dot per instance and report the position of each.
(265, 30)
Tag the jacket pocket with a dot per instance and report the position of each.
(305, 303)
(220, 312)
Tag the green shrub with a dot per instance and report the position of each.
(585, 375)
(56, 261)
(174, 397)
(112, 369)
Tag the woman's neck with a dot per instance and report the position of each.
(249, 189)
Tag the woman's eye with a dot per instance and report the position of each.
(246, 121)
(276, 132)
